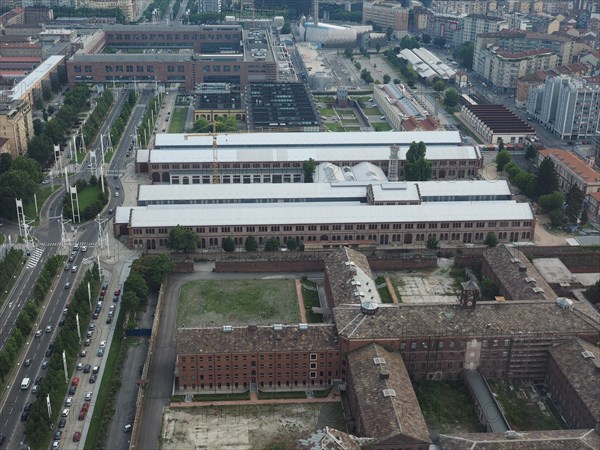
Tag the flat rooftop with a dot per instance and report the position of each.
(325, 212)
(35, 76)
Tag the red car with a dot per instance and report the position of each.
(75, 382)
(82, 414)
(117, 292)
(77, 437)
(85, 407)
(102, 292)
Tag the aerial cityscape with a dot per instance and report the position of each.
(309, 224)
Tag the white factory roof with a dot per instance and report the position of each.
(426, 63)
(122, 213)
(263, 140)
(365, 171)
(310, 213)
(38, 73)
(299, 154)
(463, 187)
(382, 190)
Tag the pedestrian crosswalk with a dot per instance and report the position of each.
(35, 257)
(58, 244)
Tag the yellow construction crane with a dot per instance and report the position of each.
(216, 177)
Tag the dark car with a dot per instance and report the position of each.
(25, 416)
(2, 438)
(72, 390)
(61, 323)
(95, 315)
(68, 285)
(49, 352)
(45, 364)
(27, 407)
(38, 380)
(93, 378)
(87, 368)
(57, 435)
(62, 423)
(27, 362)
(115, 299)
(109, 320)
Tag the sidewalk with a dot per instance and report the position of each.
(332, 397)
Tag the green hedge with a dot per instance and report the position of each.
(120, 124)
(96, 119)
(8, 267)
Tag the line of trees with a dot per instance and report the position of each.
(19, 178)
(8, 266)
(48, 134)
(417, 167)
(146, 128)
(543, 187)
(27, 317)
(94, 122)
(409, 74)
(160, 5)
(39, 426)
(116, 131)
(223, 125)
(64, 11)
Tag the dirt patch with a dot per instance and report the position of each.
(243, 427)
(427, 286)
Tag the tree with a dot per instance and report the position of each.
(552, 201)
(574, 203)
(201, 126)
(5, 162)
(432, 242)
(291, 244)
(488, 289)
(557, 218)
(439, 86)
(386, 79)
(130, 301)
(38, 127)
(349, 53)
(491, 240)
(309, 167)
(547, 177)
(409, 42)
(501, 145)
(451, 98)
(250, 244)
(502, 159)
(378, 47)
(29, 166)
(417, 167)
(272, 245)
(135, 283)
(286, 28)
(388, 33)
(426, 39)
(464, 54)
(154, 269)
(40, 148)
(439, 41)
(593, 292)
(584, 217)
(181, 238)
(512, 169)
(531, 153)
(228, 244)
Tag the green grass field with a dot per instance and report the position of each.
(177, 120)
(311, 298)
(334, 127)
(233, 302)
(80, 157)
(447, 406)
(327, 112)
(88, 196)
(372, 111)
(42, 196)
(381, 126)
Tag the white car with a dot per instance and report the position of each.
(65, 412)
(88, 396)
(102, 344)
(84, 248)
(69, 401)
(116, 194)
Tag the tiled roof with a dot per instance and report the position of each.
(251, 339)
(523, 54)
(385, 396)
(514, 318)
(519, 278)
(348, 272)
(531, 440)
(582, 372)
(576, 165)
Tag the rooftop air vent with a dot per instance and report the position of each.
(277, 327)
(227, 329)
(379, 360)
(587, 354)
(303, 326)
(389, 393)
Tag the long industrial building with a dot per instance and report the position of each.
(279, 157)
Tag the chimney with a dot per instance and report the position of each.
(384, 374)
(252, 327)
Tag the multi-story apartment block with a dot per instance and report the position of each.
(465, 6)
(444, 25)
(475, 24)
(501, 68)
(16, 126)
(387, 15)
(567, 106)
(210, 6)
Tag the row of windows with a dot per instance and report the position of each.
(261, 357)
(173, 37)
(139, 68)
(347, 227)
(312, 366)
(266, 165)
(312, 374)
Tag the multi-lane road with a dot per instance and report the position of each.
(48, 236)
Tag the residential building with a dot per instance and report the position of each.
(568, 106)
(494, 123)
(466, 7)
(387, 15)
(514, 275)
(210, 6)
(572, 170)
(446, 25)
(573, 380)
(475, 24)
(16, 126)
(281, 107)
(526, 82)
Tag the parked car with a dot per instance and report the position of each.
(45, 364)
(57, 435)
(72, 390)
(100, 352)
(76, 436)
(93, 378)
(83, 353)
(87, 342)
(108, 320)
(27, 407)
(79, 366)
(69, 401)
(88, 396)
(87, 368)
(96, 369)
(65, 412)
(62, 423)
(75, 382)
(24, 416)
(127, 428)
(27, 362)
